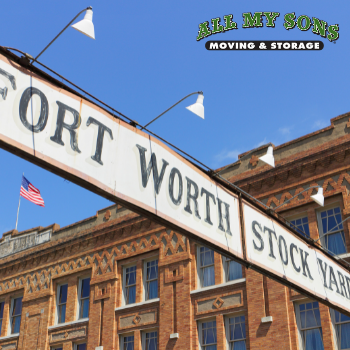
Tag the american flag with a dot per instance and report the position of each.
(28, 191)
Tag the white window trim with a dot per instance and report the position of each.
(227, 327)
(334, 329)
(79, 300)
(199, 328)
(60, 325)
(144, 277)
(137, 304)
(124, 283)
(56, 347)
(143, 337)
(57, 301)
(121, 339)
(216, 286)
(319, 222)
(199, 281)
(75, 345)
(297, 317)
(11, 310)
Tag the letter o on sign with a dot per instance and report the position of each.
(174, 172)
(23, 107)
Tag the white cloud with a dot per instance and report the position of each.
(227, 155)
(285, 130)
(319, 124)
(263, 142)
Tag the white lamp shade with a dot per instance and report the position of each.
(86, 26)
(318, 197)
(268, 157)
(198, 108)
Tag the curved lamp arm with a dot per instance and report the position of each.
(193, 93)
(88, 8)
(294, 197)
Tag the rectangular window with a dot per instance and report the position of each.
(151, 279)
(233, 270)
(301, 225)
(130, 285)
(149, 340)
(342, 328)
(57, 348)
(61, 303)
(208, 340)
(84, 298)
(2, 304)
(206, 267)
(235, 331)
(81, 346)
(16, 311)
(309, 323)
(127, 342)
(331, 231)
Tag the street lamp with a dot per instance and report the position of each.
(318, 197)
(268, 158)
(85, 26)
(197, 108)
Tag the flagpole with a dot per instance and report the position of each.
(19, 202)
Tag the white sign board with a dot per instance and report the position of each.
(271, 246)
(70, 133)
(72, 137)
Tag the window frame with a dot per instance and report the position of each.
(200, 331)
(227, 328)
(56, 347)
(298, 216)
(80, 285)
(2, 319)
(200, 277)
(11, 310)
(298, 320)
(225, 261)
(144, 277)
(321, 235)
(143, 337)
(57, 302)
(124, 282)
(121, 339)
(75, 345)
(334, 329)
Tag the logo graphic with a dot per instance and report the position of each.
(303, 23)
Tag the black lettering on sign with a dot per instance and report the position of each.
(174, 172)
(342, 285)
(227, 216)
(271, 232)
(258, 236)
(332, 280)
(208, 196)
(23, 107)
(348, 284)
(60, 124)
(282, 241)
(293, 248)
(192, 196)
(99, 143)
(324, 271)
(304, 263)
(145, 172)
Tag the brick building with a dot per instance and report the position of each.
(120, 281)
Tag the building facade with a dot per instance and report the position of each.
(120, 281)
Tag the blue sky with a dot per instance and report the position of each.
(146, 57)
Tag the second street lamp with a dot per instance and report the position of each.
(197, 108)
